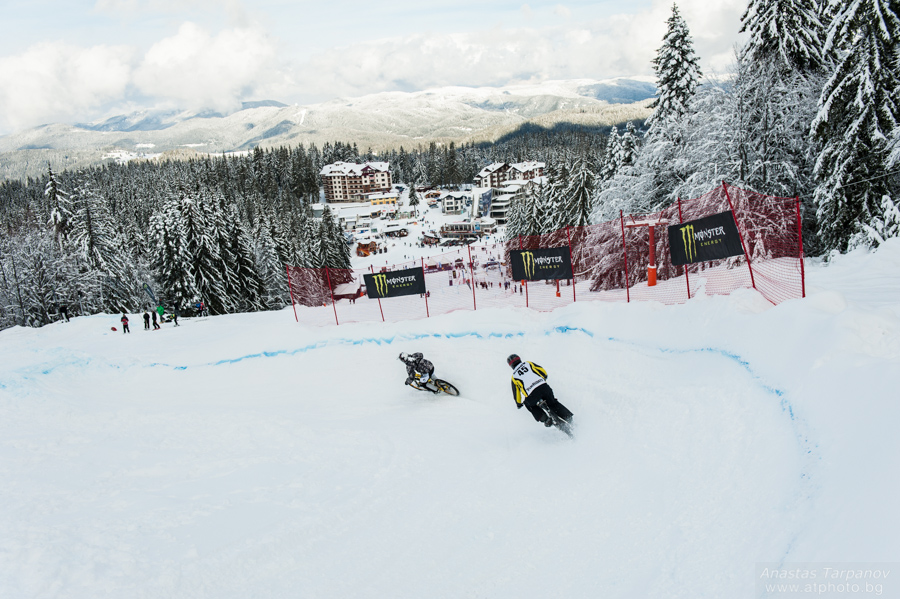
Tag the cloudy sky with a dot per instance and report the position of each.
(80, 60)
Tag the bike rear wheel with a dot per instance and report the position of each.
(446, 387)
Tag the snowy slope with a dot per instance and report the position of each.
(249, 456)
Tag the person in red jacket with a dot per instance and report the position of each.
(529, 387)
(124, 320)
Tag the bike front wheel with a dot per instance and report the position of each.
(446, 387)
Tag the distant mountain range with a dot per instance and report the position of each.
(378, 121)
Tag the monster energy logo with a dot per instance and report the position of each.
(395, 283)
(689, 241)
(381, 284)
(709, 238)
(528, 264)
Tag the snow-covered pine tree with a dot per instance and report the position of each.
(609, 164)
(622, 191)
(883, 226)
(677, 76)
(336, 250)
(578, 199)
(515, 219)
(171, 260)
(60, 207)
(413, 198)
(789, 34)
(202, 232)
(99, 249)
(781, 72)
(245, 288)
(678, 73)
(271, 268)
(629, 146)
(539, 214)
(858, 115)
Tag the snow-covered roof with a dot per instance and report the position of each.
(349, 168)
(528, 165)
(491, 168)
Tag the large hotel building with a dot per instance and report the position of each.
(347, 182)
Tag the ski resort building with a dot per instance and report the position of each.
(502, 197)
(348, 182)
(498, 173)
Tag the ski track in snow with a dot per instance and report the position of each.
(200, 462)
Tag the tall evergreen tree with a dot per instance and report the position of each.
(579, 196)
(790, 34)
(778, 81)
(171, 260)
(414, 198)
(60, 207)
(99, 248)
(858, 114)
(677, 76)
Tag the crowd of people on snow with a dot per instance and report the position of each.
(155, 316)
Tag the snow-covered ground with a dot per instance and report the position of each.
(251, 456)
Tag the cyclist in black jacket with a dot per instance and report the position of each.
(419, 370)
(529, 386)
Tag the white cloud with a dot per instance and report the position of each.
(622, 45)
(208, 66)
(198, 70)
(57, 82)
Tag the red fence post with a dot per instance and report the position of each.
(569, 242)
(741, 235)
(687, 278)
(525, 283)
(331, 291)
(291, 291)
(372, 270)
(625, 253)
(800, 239)
(472, 274)
(427, 315)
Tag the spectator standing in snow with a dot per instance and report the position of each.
(124, 320)
(64, 312)
(146, 321)
(155, 324)
(160, 310)
(175, 314)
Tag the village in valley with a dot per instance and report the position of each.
(384, 221)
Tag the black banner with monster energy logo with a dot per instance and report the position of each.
(542, 263)
(710, 238)
(395, 283)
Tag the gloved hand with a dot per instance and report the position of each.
(518, 406)
(408, 380)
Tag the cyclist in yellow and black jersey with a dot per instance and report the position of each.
(529, 386)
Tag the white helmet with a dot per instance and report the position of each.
(404, 356)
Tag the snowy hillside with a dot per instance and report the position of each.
(378, 121)
(249, 456)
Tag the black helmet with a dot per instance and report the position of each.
(513, 360)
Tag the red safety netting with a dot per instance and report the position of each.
(609, 260)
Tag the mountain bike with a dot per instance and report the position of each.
(435, 386)
(558, 422)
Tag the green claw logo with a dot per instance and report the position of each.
(528, 263)
(381, 285)
(690, 242)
